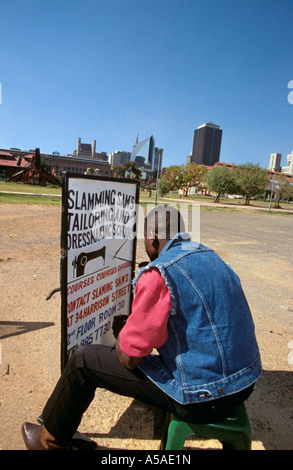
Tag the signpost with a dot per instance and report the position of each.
(98, 248)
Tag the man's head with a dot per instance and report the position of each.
(161, 224)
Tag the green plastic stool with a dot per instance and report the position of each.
(234, 432)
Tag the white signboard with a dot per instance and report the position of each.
(98, 243)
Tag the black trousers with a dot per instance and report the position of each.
(97, 366)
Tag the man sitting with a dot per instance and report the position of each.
(189, 306)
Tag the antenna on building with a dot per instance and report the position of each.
(136, 139)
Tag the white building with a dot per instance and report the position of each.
(289, 168)
(119, 157)
(275, 163)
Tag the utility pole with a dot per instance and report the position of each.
(160, 151)
(272, 191)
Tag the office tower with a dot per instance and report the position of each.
(207, 144)
(144, 152)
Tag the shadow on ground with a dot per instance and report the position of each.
(14, 328)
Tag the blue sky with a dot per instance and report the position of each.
(109, 69)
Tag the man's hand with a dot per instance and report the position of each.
(127, 361)
(118, 323)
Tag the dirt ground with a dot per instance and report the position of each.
(258, 246)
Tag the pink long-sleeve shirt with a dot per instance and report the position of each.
(146, 327)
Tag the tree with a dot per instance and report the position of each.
(44, 165)
(282, 189)
(174, 175)
(119, 171)
(222, 181)
(251, 179)
(164, 186)
(185, 176)
(127, 170)
(192, 176)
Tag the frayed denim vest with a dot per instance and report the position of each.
(211, 350)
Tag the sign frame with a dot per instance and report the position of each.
(67, 176)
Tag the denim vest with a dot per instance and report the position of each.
(211, 350)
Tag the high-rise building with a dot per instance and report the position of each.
(275, 162)
(119, 157)
(144, 152)
(206, 144)
(289, 168)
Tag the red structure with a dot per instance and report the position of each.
(34, 174)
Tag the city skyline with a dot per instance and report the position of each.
(85, 71)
